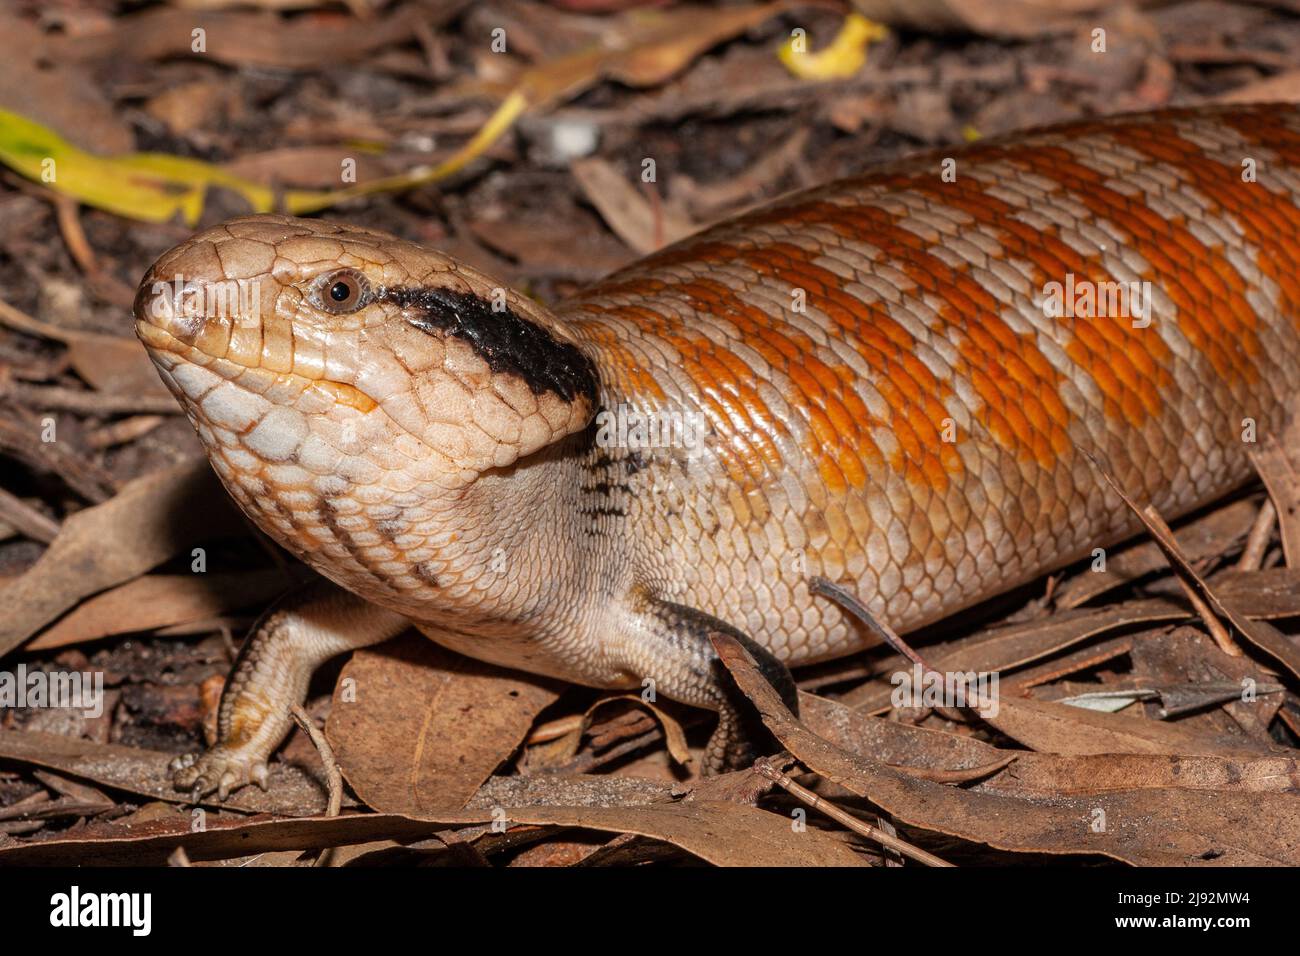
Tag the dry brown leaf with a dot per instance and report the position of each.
(1269, 594)
(248, 39)
(1157, 827)
(897, 744)
(291, 791)
(642, 225)
(718, 832)
(1283, 88)
(190, 107)
(640, 48)
(1081, 659)
(1061, 729)
(666, 42)
(1274, 593)
(415, 726)
(56, 92)
(1279, 468)
(708, 201)
(1187, 656)
(564, 748)
(1208, 536)
(1261, 634)
(224, 837)
(906, 748)
(1011, 18)
(150, 520)
(539, 243)
(1055, 775)
(1003, 648)
(108, 363)
(569, 790)
(162, 600)
(81, 792)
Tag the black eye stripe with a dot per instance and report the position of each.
(507, 341)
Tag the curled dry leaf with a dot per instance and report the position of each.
(565, 747)
(641, 48)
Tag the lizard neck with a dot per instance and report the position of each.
(520, 550)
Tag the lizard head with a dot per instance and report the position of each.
(340, 379)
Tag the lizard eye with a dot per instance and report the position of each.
(344, 291)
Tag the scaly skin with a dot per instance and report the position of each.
(885, 404)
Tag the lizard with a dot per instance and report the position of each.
(898, 382)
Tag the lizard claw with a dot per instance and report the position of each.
(217, 769)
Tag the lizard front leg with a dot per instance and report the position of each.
(270, 676)
(671, 647)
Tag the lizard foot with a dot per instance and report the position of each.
(220, 769)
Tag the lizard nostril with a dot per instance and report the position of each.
(155, 302)
(180, 308)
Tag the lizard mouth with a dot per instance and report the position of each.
(159, 340)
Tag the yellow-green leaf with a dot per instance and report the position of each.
(843, 58)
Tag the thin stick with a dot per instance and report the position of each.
(875, 834)
(85, 402)
(26, 519)
(1252, 555)
(332, 775)
(819, 585)
(1187, 578)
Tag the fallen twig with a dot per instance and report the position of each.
(875, 834)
